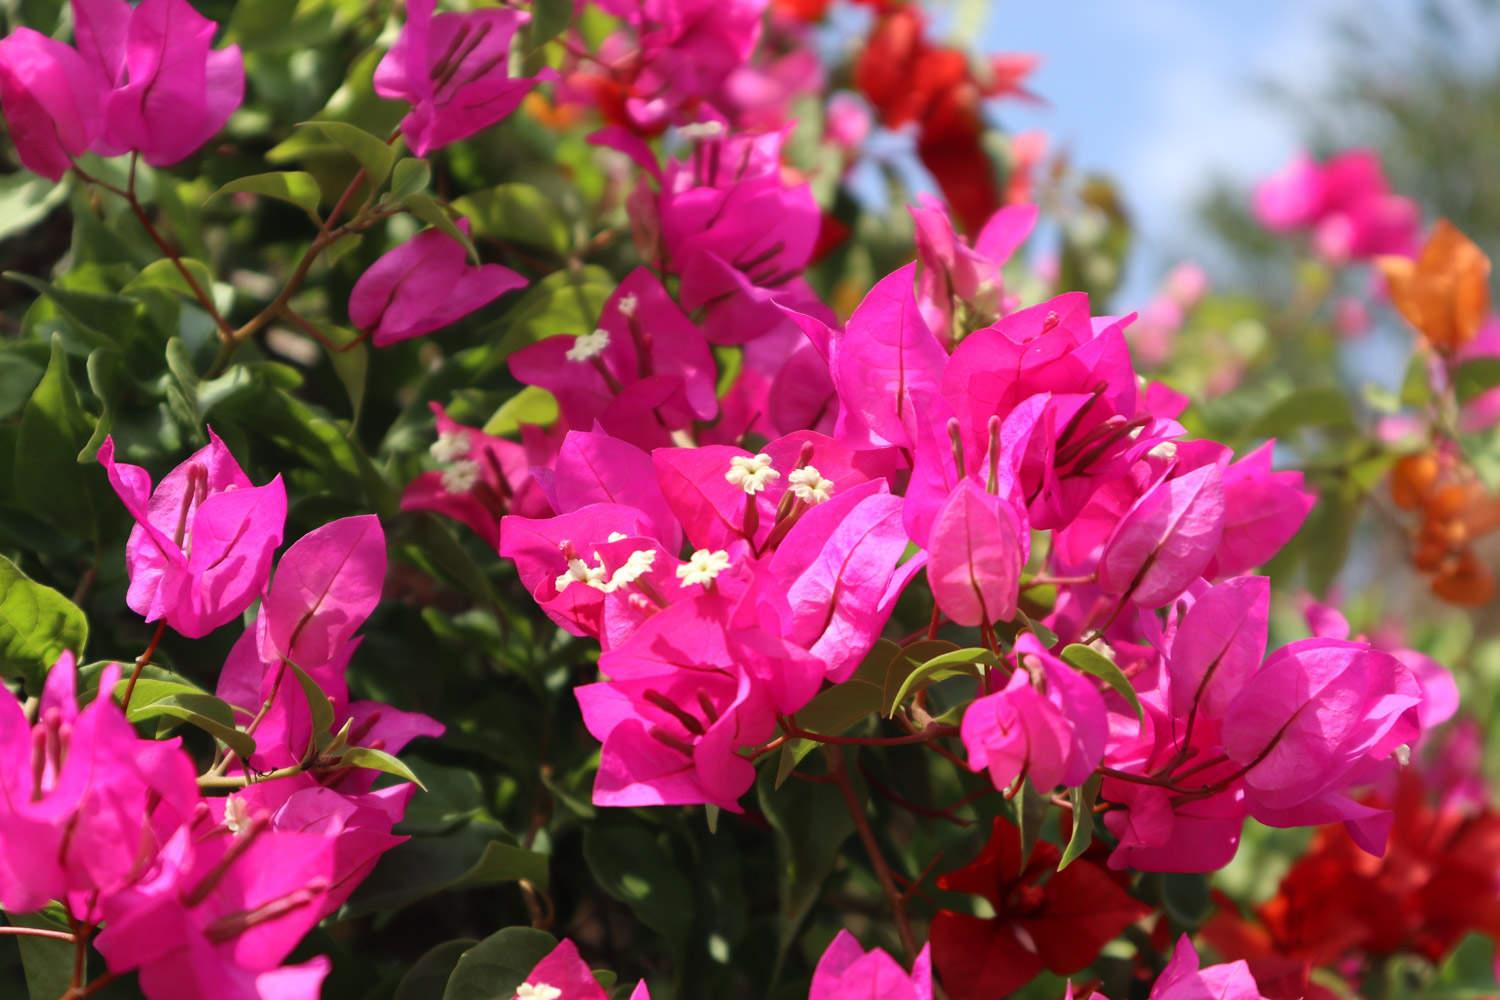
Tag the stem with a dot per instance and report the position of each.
(893, 895)
(922, 736)
(170, 252)
(91, 988)
(242, 780)
(140, 664)
(37, 932)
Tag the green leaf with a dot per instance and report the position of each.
(25, 200)
(906, 660)
(379, 760)
(295, 187)
(351, 365)
(410, 176)
(54, 429)
(548, 20)
(428, 976)
(107, 379)
(319, 705)
(208, 713)
(636, 866)
(532, 405)
(1416, 385)
(19, 375)
(95, 317)
(373, 153)
(562, 302)
(36, 625)
(430, 212)
(1185, 897)
(1476, 377)
(494, 967)
(475, 856)
(811, 826)
(1314, 406)
(839, 708)
(1084, 797)
(516, 213)
(1031, 810)
(957, 663)
(1096, 664)
(1045, 635)
(47, 962)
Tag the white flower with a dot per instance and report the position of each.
(702, 567)
(449, 446)
(701, 130)
(751, 473)
(615, 536)
(461, 476)
(537, 991)
(627, 305)
(581, 572)
(637, 566)
(236, 814)
(589, 345)
(1165, 449)
(1403, 754)
(809, 486)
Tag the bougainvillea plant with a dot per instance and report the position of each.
(518, 501)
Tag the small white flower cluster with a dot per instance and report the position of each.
(703, 567)
(588, 346)
(600, 578)
(751, 473)
(808, 485)
(460, 472)
(537, 991)
(627, 305)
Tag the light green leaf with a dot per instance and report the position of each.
(25, 200)
(1314, 406)
(373, 153)
(202, 710)
(1096, 664)
(1031, 810)
(532, 405)
(1084, 797)
(957, 663)
(562, 302)
(318, 704)
(430, 212)
(410, 176)
(379, 760)
(516, 213)
(295, 187)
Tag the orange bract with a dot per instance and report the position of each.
(1445, 292)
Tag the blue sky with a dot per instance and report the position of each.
(1160, 94)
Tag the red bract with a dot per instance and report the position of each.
(1044, 919)
(908, 79)
(1436, 883)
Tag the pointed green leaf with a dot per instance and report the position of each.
(54, 430)
(957, 663)
(1084, 797)
(410, 176)
(36, 625)
(208, 713)
(496, 966)
(373, 153)
(318, 704)
(532, 405)
(424, 208)
(379, 760)
(295, 187)
(1096, 664)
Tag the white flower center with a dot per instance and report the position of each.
(581, 572)
(637, 566)
(627, 306)
(236, 814)
(537, 991)
(615, 536)
(1166, 450)
(701, 130)
(702, 567)
(1403, 754)
(588, 346)
(751, 473)
(461, 476)
(449, 446)
(809, 486)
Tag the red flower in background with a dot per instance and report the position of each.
(1044, 918)
(1438, 882)
(908, 79)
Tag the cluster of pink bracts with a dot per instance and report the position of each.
(941, 434)
(206, 896)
